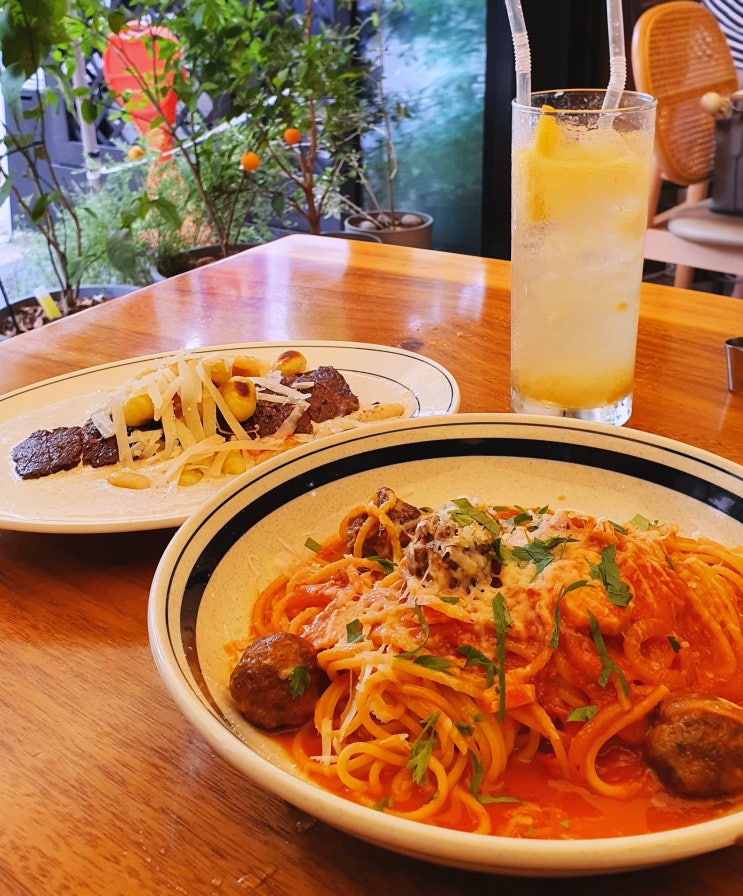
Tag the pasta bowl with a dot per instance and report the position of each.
(237, 542)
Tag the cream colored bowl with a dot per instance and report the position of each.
(202, 589)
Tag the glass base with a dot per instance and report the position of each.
(617, 413)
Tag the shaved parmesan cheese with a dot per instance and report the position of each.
(192, 427)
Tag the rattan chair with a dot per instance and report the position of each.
(679, 53)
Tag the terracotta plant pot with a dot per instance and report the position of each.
(414, 229)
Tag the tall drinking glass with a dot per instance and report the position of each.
(580, 190)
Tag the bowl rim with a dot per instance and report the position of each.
(484, 853)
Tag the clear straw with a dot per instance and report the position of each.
(617, 55)
(521, 50)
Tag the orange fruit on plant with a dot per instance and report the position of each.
(249, 161)
(292, 136)
(135, 152)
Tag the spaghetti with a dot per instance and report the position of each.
(474, 647)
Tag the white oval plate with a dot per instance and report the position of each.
(81, 500)
(200, 595)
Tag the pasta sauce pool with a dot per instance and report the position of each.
(536, 802)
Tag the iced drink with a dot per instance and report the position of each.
(581, 181)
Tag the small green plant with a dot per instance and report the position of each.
(193, 103)
(239, 199)
(311, 87)
(39, 54)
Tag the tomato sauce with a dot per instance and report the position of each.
(536, 802)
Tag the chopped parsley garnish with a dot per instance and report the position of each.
(387, 565)
(582, 714)
(299, 681)
(478, 771)
(608, 664)
(426, 632)
(502, 621)
(608, 573)
(313, 545)
(581, 583)
(469, 514)
(354, 631)
(475, 657)
(675, 645)
(642, 523)
(539, 551)
(422, 748)
(433, 662)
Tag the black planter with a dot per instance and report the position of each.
(26, 314)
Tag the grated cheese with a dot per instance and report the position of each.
(193, 426)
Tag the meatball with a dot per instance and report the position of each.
(277, 682)
(451, 556)
(695, 746)
(377, 542)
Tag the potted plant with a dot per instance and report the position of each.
(185, 77)
(41, 46)
(311, 83)
(382, 217)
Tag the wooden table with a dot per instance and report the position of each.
(105, 789)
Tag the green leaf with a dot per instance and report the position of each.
(539, 551)
(675, 645)
(299, 680)
(121, 251)
(168, 210)
(387, 565)
(581, 583)
(608, 664)
(354, 632)
(117, 20)
(582, 714)
(502, 621)
(422, 748)
(471, 514)
(426, 632)
(88, 110)
(312, 545)
(30, 30)
(478, 770)
(607, 571)
(475, 657)
(6, 187)
(12, 79)
(433, 662)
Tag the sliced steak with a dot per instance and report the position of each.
(48, 451)
(97, 450)
(269, 415)
(330, 395)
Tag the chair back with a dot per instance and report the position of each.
(679, 53)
